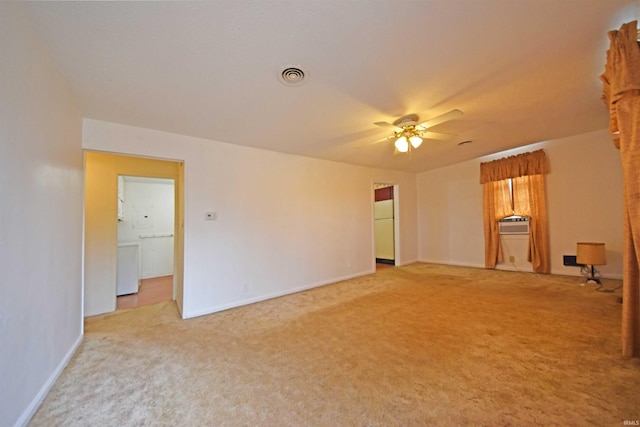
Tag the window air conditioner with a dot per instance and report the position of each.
(514, 225)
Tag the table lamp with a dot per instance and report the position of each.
(591, 254)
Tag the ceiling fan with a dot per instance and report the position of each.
(409, 133)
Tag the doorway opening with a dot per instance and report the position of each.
(103, 172)
(385, 226)
(146, 223)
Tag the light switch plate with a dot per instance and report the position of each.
(211, 216)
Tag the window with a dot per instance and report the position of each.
(515, 186)
(513, 216)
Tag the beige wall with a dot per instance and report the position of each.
(40, 219)
(101, 228)
(584, 198)
(285, 223)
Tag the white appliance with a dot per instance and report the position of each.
(127, 276)
(515, 225)
(156, 255)
(384, 235)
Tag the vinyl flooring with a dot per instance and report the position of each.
(151, 291)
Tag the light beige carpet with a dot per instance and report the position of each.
(409, 346)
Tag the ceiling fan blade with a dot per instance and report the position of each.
(440, 119)
(388, 125)
(387, 138)
(437, 135)
(383, 139)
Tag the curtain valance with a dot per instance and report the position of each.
(532, 163)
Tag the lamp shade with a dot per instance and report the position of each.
(591, 254)
(415, 141)
(402, 144)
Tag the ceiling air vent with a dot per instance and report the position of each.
(293, 75)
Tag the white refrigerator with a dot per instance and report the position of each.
(384, 236)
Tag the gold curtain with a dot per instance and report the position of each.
(621, 93)
(529, 199)
(496, 200)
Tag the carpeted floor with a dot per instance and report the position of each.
(408, 346)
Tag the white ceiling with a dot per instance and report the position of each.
(522, 71)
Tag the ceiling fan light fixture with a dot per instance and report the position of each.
(402, 144)
(415, 141)
(409, 134)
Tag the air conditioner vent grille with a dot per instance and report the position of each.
(513, 226)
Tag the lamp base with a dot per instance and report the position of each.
(591, 278)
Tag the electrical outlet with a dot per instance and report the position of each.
(512, 258)
(245, 288)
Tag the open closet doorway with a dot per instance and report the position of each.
(146, 223)
(385, 224)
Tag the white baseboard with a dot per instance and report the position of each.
(457, 264)
(407, 262)
(179, 305)
(509, 267)
(44, 390)
(252, 300)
